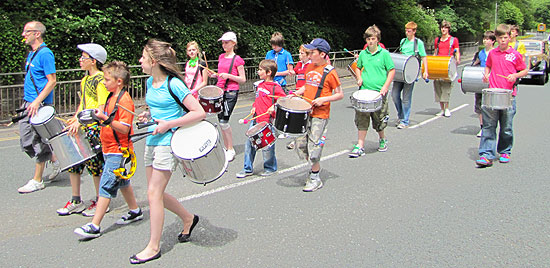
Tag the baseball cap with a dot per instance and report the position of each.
(229, 36)
(320, 44)
(95, 51)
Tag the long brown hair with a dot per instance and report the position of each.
(163, 53)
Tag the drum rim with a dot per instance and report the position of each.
(58, 134)
(260, 130)
(417, 71)
(292, 110)
(210, 98)
(452, 60)
(45, 121)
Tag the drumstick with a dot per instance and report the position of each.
(246, 121)
(61, 119)
(210, 70)
(505, 77)
(349, 52)
(242, 121)
(128, 110)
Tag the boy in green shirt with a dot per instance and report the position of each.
(375, 72)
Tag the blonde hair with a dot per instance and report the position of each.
(118, 70)
(446, 24)
(411, 25)
(194, 43)
(163, 53)
(373, 31)
(503, 29)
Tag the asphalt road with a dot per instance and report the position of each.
(420, 204)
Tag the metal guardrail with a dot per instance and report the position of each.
(66, 96)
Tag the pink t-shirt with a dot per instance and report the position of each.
(504, 63)
(189, 75)
(444, 46)
(223, 67)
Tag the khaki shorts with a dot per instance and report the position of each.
(160, 157)
(309, 146)
(442, 90)
(379, 118)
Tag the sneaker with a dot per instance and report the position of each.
(291, 145)
(56, 169)
(282, 136)
(313, 184)
(267, 173)
(382, 145)
(90, 211)
(440, 113)
(88, 231)
(479, 133)
(402, 126)
(230, 155)
(356, 151)
(484, 162)
(244, 174)
(130, 217)
(504, 158)
(71, 208)
(447, 113)
(31, 186)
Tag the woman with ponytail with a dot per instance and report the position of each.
(159, 61)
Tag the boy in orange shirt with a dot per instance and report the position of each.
(323, 87)
(115, 140)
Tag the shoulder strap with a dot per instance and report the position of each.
(113, 113)
(401, 44)
(451, 45)
(178, 101)
(229, 71)
(29, 66)
(326, 71)
(199, 69)
(516, 45)
(437, 39)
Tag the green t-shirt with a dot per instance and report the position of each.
(407, 47)
(375, 68)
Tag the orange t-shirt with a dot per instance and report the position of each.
(108, 141)
(313, 79)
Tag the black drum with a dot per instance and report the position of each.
(292, 114)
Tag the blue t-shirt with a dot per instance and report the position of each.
(283, 59)
(163, 106)
(43, 64)
(482, 55)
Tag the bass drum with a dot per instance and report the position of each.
(407, 68)
(472, 79)
(441, 68)
(198, 148)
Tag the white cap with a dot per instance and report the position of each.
(95, 51)
(229, 36)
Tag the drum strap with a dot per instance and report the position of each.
(199, 70)
(29, 66)
(229, 72)
(178, 101)
(113, 113)
(326, 71)
(450, 45)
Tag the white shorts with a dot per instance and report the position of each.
(160, 157)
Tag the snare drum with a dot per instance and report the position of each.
(291, 115)
(211, 99)
(407, 68)
(45, 123)
(71, 150)
(87, 117)
(496, 98)
(441, 68)
(366, 101)
(472, 79)
(261, 136)
(198, 148)
(352, 67)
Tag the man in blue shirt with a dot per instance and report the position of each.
(39, 83)
(282, 57)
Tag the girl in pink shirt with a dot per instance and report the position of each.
(196, 76)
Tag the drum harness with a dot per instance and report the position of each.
(326, 71)
(128, 155)
(199, 70)
(27, 67)
(450, 45)
(416, 52)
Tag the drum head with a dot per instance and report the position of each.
(497, 91)
(294, 103)
(210, 92)
(255, 129)
(453, 73)
(86, 117)
(44, 114)
(412, 69)
(194, 141)
(366, 95)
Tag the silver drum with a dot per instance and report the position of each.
(366, 101)
(496, 98)
(198, 148)
(71, 150)
(407, 68)
(45, 123)
(472, 79)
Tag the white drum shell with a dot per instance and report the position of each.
(496, 98)
(407, 68)
(45, 123)
(366, 101)
(472, 79)
(71, 150)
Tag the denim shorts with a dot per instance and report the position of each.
(229, 102)
(109, 183)
(160, 157)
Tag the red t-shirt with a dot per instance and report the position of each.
(263, 101)
(444, 46)
(108, 142)
(314, 74)
(300, 71)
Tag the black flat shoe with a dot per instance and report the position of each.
(185, 237)
(135, 260)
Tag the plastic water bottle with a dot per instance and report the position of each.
(322, 141)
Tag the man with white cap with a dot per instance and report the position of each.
(93, 96)
(39, 83)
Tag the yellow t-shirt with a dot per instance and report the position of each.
(94, 90)
(521, 47)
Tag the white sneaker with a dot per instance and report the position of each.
(230, 155)
(479, 133)
(313, 185)
(71, 208)
(447, 113)
(31, 186)
(440, 113)
(56, 169)
(282, 136)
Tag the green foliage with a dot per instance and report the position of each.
(407, 10)
(542, 14)
(510, 14)
(12, 49)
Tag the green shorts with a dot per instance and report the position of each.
(379, 118)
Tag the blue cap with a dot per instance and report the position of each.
(320, 44)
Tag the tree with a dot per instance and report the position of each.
(510, 14)
(542, 14)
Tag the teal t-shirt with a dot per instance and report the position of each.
(407, 47)
(375, 68)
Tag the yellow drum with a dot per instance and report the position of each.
(441, 68)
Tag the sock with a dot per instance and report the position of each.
(95, 226)
(315, 172)
(76, 199)
(135, 211)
